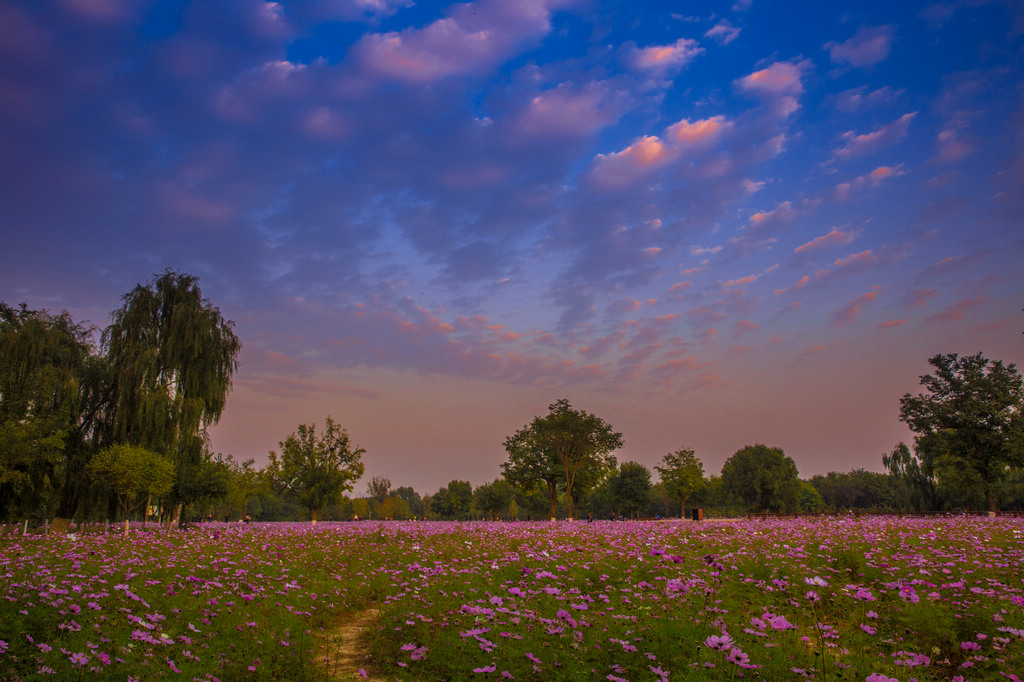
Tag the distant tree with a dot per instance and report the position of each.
(630, 487)
(133, 473)
(810, 499)
(171, 355)
(45, 362)
(379, 487)
(317, 469)
(914, 479)
(763, 478)
(556, 447)
(970, 418)
(412, 500)
(361, 508)
(591, 475)
(682, 474)
(455, 501)
(491, 499)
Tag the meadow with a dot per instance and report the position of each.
(870, 598)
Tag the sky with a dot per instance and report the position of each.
(711, 224)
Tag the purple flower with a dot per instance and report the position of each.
(719, 642)
(79, 659)
(879, 677)
(486, 669)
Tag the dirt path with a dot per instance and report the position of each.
(342, 657)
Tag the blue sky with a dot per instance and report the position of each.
(712, 224)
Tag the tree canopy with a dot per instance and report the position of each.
(44, 362)
(763, 478)
(172, 355)
(317, 469)
(557, 447)
(969, 420)
(630, 486)
(133, 473)
(682, 474)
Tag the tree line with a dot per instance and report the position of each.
(112, 424)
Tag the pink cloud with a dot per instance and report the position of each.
(476, 36)
(723, 32)
(833, 238)
(700, 132)
(859, 98)
(847, 190)
(868, 46)
(569, 111)
(630, 165)
(918, 297)
(848, 313)
(741, 327)
(779, 84)
(892, 323)
(951, 148)
(665, 57)
(956, 311)
(809, 351)
(742, 281)
(887, 135)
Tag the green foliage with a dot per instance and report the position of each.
(44, 366)
(455, 501)
(630, 487)
(492, 499)
(969, 422)
(554, 449)
(316, 469)
(763, 478)
(172, 356)
(682, 474)
(133, 473)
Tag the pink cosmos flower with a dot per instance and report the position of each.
(485, 669)
(722, 642)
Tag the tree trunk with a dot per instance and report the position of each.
(682, 508)
(312, 512)
(990, 498)
(553, 499)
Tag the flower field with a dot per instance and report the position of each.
(876, 598)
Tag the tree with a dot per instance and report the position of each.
(172, 355)
(683, 475)
(379, 487)
(556, 447)
(45, 363)
(493, 498)
(970, 418)
(453, 501)
(317, 470)
(133, 474)
(630, 487)
(763, 478)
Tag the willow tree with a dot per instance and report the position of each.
(171, 355)
(44, 360)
